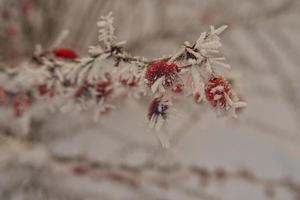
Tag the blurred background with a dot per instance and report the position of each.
(70, 157)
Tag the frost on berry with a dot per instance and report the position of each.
(21, 104)
(44, 89)
(130, 82)
(215, 91)
(95, 95)
(83, 91)
(65, 53)
(219, 94)
(178, 88)
(81, 169)
(100, 90)
(104, 88)
(161, 74)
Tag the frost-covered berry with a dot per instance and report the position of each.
(43, 89)
(132, 82)
(84, 90)
(81, 169)
(21, 104)
(104, 88)
(159, 70)
(216, 90)
(101, 90)
(65, 53)
(178, 88)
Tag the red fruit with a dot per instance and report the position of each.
(84, 90)
(158, 70)
(81, 169)
(220, 173)
(27, 7)
(21, 105)
(104, 88)
(130, 83)
(178, 88)
(215, 91)
(65, 53)
(43, 89)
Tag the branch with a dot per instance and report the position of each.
(110, 73)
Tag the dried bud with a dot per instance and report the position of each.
(197, 97)
(157, 108)
(157, 113)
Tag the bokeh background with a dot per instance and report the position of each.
(263, 46)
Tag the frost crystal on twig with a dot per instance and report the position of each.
(106, 30)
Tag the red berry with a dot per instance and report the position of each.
(65, 53)
(130, 83)
(215, 91)
(178, 88)
(27, 7)
(21, 105)
(43, 89)
(220, 173)
(84, 90)
(81, 169)
(158, 70)
(104, 88)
